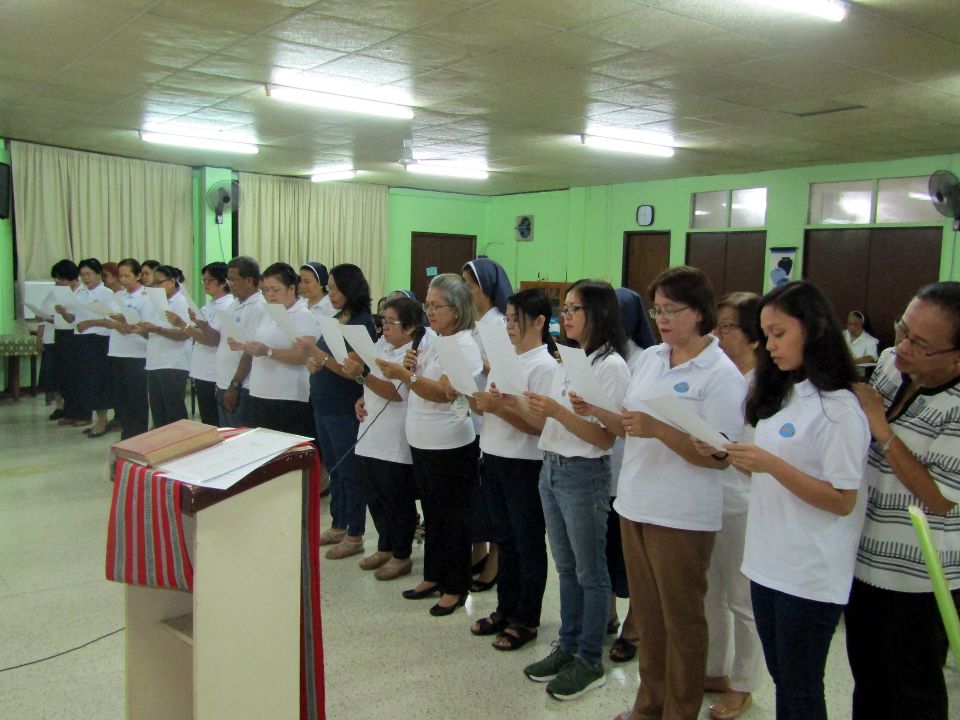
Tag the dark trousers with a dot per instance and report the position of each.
(166, 389)
(513, 500)
(130, 394)
(205, 391)
(897, 647)
(47, 379)
(795, 634)
(446, 479)
(391, 496)
(95, 389)
(66, 374)
(481, 522)
(239, 417)
(336, 436)
(289, 416)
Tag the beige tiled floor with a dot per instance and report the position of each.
(386, 657)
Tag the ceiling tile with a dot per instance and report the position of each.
(243, 16)
(719, 48)
(369, 69)
(421, 51)
(399, 15)
(573, 50)
(270, 51)
(480, 30)
(329, 32)
(647, 28)
(642, 66)
(561, 14)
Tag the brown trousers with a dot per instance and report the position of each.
(667, 575)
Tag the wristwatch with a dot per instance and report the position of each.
(269, 352)
(360, 379)
(722, 455)
(236, 384)
(413, 380)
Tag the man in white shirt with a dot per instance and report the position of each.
(233, 368)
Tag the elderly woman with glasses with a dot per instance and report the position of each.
(896, 641)
(443, 444)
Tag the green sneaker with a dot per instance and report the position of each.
(548, 668)
(576, 678)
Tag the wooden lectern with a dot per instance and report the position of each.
(231, 649)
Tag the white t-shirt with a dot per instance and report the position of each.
(102, 294)
(59, 322)
(442, 426)
(324, 308)
(274, 380)
(500, 438)
(203, 363)
(247, 314)
(865, 344)
(613, 375)
(792, 546)
(493, 316)
(131, 345)
(164, 353)
(656, 485)
(382, 435)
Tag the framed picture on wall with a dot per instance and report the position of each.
(783, 266)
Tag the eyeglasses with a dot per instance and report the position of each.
(433, 307)
(384, 321)
(727, 327)
(900, 328)
(669, 313)
(569, 310)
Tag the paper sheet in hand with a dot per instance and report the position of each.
(584, 381)
(332, 335)
(158, 298)
(64, 296)
(278, 313)
(454, 365)
(676, 412)
(40, 314)
(191, 305)
(226, 463)
(362, 345)
(229, 327)
(505, 367)
(129, 314)
(96, 307)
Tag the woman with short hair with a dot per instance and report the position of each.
(128, 353)
(91, 345)
(65, 273)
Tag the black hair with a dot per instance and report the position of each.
(65, 270)
(409, 312)
(353, 286)
(246, 266)
(531, 304)
(216, 270)
(692, 287)
(747, 307)
(284, 273)
(152, 264)
(602, 311)
(91, 264)
(826, 360)
(946, 295)
(132, 264)
(171, 272)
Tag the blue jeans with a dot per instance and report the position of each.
(336, 436)
(575, 493)
(239, 417)
(795, 634)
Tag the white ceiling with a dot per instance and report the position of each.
(512, 82)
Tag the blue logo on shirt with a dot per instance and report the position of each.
(788, 430)
(682, 387)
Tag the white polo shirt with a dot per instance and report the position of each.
(792, 546)
(102, 294)
(864, 345)
(274, 380)
(59, 322)
(382, 434)
(500, 438)
(324, 308)
(656, 485)
(442, 426)
(164, 353)
(131, 345)
(493, 316)
(736, 485)
(203, 363)
(613, 375)
(247, 314)
(634, 352)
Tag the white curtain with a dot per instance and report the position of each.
(73, 204)
(298, 221)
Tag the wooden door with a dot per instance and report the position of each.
(732, 260)
(645, 256)
(433, 254)
(874, 270)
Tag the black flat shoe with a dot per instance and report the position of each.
(477, 566)
(414, 594)
(91, 434)
(56, 415)
(439, 610)
(480, 586)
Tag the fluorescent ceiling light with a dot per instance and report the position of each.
(337, 174)
(343, 103)
(632, 134)
(446, 170)
(826, 9)
(203, 143)
(627, 146)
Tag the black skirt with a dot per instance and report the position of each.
(93, 372)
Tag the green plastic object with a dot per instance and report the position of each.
(931, 554)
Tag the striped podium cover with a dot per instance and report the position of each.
(145, 546)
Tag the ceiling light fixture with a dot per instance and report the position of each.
(445, 170)
(343, 103)
(333, 172)
(202, 143)
(826, 9)
(627, 146)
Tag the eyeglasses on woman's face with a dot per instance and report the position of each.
(669, 312)
(725, 328)
(432, 308)
(569, 310)
(920, 345)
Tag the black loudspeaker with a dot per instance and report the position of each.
(4, 191)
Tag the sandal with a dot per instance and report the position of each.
(622, 650)
(613, 626)
(478, 586)
(489, 625)
(331, 536)
(514, 638)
